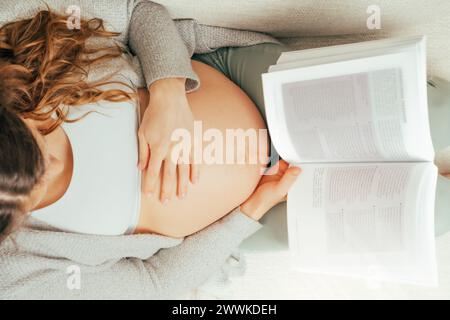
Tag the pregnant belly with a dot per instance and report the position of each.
(219, 104)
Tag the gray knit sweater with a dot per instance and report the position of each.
(40, 262)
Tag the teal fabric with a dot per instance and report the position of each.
(244, 66)
(439, 113)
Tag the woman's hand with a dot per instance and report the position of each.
(271, 190)
(167, 111)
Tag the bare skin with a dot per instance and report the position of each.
(220, 104)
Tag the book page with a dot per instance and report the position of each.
(355, 117)
(370, 109)
(304, 57)
(372, 220)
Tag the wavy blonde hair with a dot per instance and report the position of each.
(44, 66)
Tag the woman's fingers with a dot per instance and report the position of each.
(169, 180)
(195, 170)
(287, 180)
(278, 169)
(273, 169)
(183, 179)
(152, 172)
(144, 152)
(283, 165)
(174, 177)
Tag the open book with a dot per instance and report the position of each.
(354, 118)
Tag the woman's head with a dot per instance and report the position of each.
(22, 166)
(43, 68)
(26, 168)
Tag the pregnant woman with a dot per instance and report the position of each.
(70, 158)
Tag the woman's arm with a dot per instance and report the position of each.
(165, 46)
(164, 50)
(167, 68)
(200, 38)
(167, 274)
(154, 38)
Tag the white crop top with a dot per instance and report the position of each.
(103, 197)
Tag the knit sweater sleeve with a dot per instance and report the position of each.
(185, 267)
(167, 274)
(202, 38)
(154, 38)
(165, 46)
